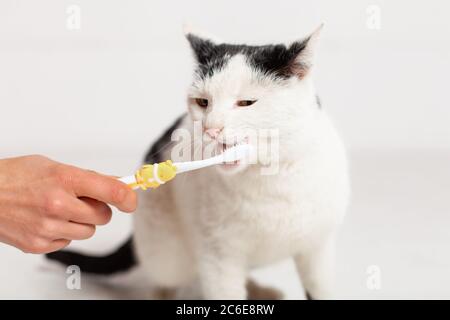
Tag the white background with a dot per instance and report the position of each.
(97, 97)
(121, 78)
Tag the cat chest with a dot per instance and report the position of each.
(260, 215)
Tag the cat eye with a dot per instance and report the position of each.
(203, 103)
(245, 103)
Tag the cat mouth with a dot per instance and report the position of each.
(224, 147)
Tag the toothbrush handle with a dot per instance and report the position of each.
(131, 181)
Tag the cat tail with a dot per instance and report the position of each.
(120, 260)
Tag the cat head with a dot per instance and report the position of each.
(241, 89)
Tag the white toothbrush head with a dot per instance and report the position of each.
(236, 153)
(232, 154)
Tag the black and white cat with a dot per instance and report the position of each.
(212, 226)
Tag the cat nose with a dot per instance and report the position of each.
(213, 132)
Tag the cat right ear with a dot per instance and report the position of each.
(202, 34)
(202, 48)
(202, 43)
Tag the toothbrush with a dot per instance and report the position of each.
(154, 175)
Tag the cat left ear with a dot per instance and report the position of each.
(304, 52)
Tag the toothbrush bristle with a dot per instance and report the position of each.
(237, 152)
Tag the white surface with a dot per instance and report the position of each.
(398, 221)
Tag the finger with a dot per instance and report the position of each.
(91, 211)
(105, 189)
(82, 210)
(72, 230)
(105, 175)
(56, 245)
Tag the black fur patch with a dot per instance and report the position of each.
(274, 60)
(120, 260)
(155, 152)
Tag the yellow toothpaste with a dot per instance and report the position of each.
(154, 175)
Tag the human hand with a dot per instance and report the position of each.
(45, 204)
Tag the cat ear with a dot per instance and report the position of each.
(202, 48)
(202, 43)
(189, 28)
(304, 52)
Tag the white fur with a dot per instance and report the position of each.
(212, 227)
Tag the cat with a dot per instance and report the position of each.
(212, 226)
